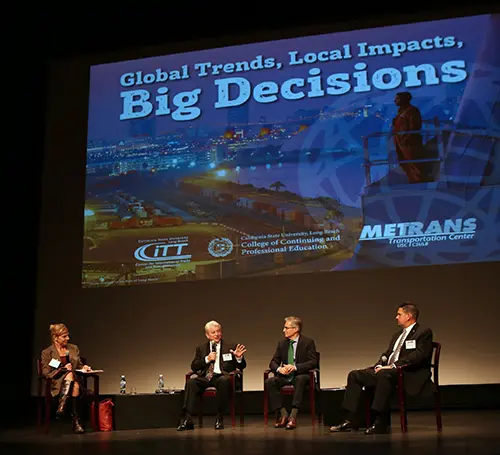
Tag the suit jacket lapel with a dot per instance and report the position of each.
(412, 331)
(395, 338)
(409, 337)
(284, 351)
(209, 350)
(411, 334)
(300, 344)
(54, 353)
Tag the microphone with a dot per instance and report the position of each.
(66, 354)
(214, 348)
(384, 360)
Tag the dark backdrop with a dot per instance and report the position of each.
(458, 302)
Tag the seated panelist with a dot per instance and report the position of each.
(410, 346)
(295, 355)
(213, 362)
(59, 361)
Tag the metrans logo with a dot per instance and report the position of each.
(418, 234)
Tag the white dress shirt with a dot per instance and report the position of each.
(393, 358)
(217, 369)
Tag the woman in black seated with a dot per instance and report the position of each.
(59, 361)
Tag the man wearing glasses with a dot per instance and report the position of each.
(294, 357)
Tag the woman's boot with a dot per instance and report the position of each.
(75, 414)
(63, 398)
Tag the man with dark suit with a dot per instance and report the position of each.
(294, 357)
(214, 360)
(412, 347)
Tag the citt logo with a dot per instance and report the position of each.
(161, 251)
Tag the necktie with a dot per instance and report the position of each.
(210, 371)
(395, 355)
(291, 360)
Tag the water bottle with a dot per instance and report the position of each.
(123, 384)
(161, 384)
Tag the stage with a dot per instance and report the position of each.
(471, 432)
(146, 424)
(150, 410)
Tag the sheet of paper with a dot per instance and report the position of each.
(90, 371)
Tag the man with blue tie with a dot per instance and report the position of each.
(294, 357)
(410, 346)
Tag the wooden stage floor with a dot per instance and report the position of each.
(464, 432)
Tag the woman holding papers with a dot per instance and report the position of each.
(59, 362)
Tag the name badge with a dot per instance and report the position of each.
(410, 344)
(54, 363)
(227, 357)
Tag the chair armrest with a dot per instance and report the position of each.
(232, 378)
(48, 387)
(239, 374)
(400, 371)
(267, 372)
(235, 373)
(313, 374)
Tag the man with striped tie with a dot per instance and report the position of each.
(410, 346)
(213, 363)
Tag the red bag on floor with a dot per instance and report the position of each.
(105, 415)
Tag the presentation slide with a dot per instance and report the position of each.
(356, 150)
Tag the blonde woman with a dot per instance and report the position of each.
(59, 362)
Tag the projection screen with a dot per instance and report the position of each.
(373, 148)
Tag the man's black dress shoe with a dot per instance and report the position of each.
(281, 422)
(219, 424)
(378, 428)
(185, 425)
(346, 425)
